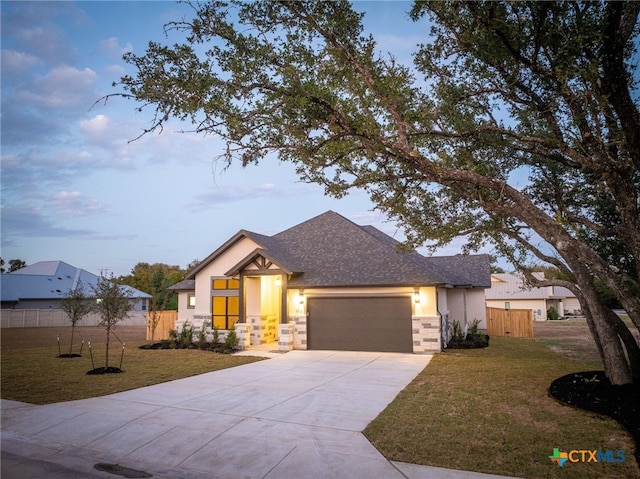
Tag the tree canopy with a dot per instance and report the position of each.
(76, 304)
(517, 126)
(14, 265)
(154, 279)
(113, 304)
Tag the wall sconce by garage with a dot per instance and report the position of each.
(507, 305)
(278, 282)
(416, 295)
(301, 296)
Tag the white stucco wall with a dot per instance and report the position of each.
(571, 306)
(443, 302)
(471, 299)
(425, 307)
(476, 306)
(184, 313)
(217, 268)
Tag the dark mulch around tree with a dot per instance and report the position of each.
(121, 470)
(70, 355)
(591, 390)
(109, 370)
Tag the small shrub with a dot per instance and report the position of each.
(186, 336)
(473, 329)
(473, 339)
(457, 335)
(202, 336)
(552, 314)
(231, 341)
(183, 339)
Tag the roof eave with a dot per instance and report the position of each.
(191, 274)
(364, 285)
(237, 268)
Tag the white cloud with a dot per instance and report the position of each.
(95, 128)
(64, 87)
(45, 41)
(112, 47)
(8, 161)
(116, 71)
(74, 203)
(23, 221)
(14, 61)
(232, 194)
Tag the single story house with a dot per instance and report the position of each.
(510, 291)
(329, 283)
(42, 285)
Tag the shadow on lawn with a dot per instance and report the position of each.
(591, 390)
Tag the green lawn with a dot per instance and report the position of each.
(488, 410)
(483, 410)
(37, 376)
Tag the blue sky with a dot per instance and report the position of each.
(74, 188)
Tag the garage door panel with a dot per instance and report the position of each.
(360, 324)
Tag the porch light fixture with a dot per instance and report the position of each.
(416, 295)
(278, 282)
(507, 305)
(301, 296)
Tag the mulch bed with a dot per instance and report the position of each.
(591, 390)
(109, 370)
(214, 347)
(470, 342)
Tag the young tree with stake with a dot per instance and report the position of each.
(113, 304)
(76, 304)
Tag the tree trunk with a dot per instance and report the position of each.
(616, 365)
(73, 328)
(106, 358)
(629, 341)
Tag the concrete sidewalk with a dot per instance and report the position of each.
(298, 415)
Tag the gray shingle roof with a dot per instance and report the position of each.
(330, 250)
(334, 251)
(49, 280)
(184, 285)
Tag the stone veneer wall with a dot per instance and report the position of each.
(426, 334)
(263, 329)
(285, 337)
(269, 328)
(255, 329)
(299, 331)
(243, 332)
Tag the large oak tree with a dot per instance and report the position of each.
(516, 126)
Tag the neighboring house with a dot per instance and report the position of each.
(42, 285)
(509, 291)
(328, 283)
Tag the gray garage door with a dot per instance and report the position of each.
(360, 324)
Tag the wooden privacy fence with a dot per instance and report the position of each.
(166, 321)
(517, 323)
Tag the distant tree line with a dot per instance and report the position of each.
(14, 265)
(155, 279)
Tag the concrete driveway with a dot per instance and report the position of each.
(299, 415)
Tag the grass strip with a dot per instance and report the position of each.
(37, 376)
(488, 410)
